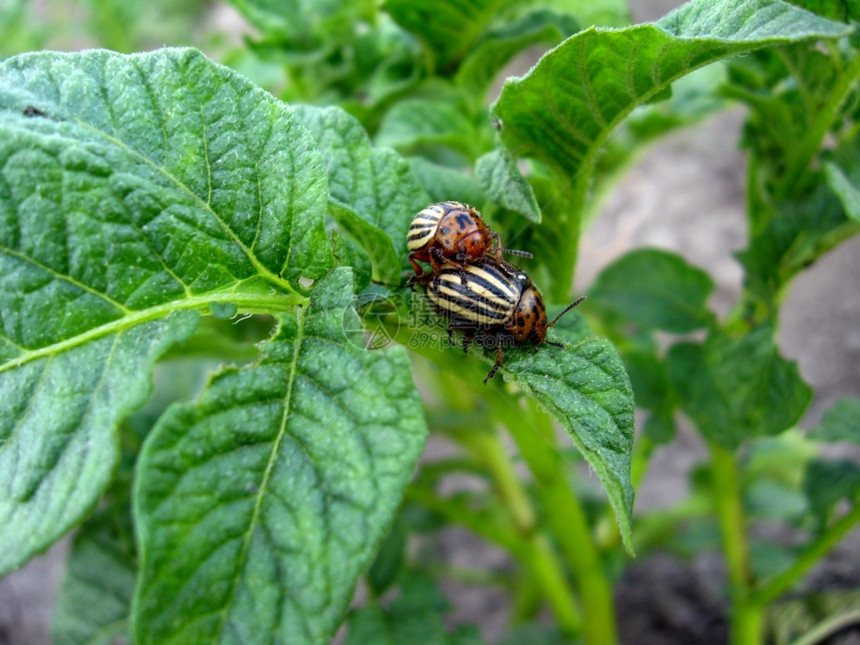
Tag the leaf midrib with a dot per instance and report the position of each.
(732, 46)
(241, 559)
(246, 302)
(203, 205)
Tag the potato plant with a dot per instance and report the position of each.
(208, 359)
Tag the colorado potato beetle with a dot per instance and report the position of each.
(452, 233)
(496, 299)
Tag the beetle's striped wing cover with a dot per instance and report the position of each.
(488, 297)
(422, 231)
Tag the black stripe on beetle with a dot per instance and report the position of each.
(481, 309)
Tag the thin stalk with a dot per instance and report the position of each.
(456, 513)
(533, 552)
(541, 559)
(488, 447)
(535, 438)
(547, 570)
(774, 587)
(817, 130)
(829, 627)
(747, 618)
(564, 270)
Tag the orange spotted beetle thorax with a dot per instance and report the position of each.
(463, 231)
(529, 321)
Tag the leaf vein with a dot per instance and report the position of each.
(66, 278)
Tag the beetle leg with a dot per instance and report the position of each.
(450, 331)
(467, 340)
(459, 261)
(497, 242)
(499, 358)
(436, 259)
(418, 270)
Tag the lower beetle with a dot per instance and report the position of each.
(495, 299)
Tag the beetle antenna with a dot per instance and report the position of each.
(522, 254)
(566, 309)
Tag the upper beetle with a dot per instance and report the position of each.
(495, 299)
(453, 233)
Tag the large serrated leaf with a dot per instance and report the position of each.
(373, 192)
(133, 190)
(259, 506)
(562, 111)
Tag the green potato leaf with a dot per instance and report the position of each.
(584, 385)
(803, 230)
(416, 122)
(656, 290)
(372, 192)
(503, 182)
(564, 109)
(416, 615)
(443, 183)
(448, 28)
(498, 46)
(94, 600)
(737, 388)
(841, 422)
(135, 191)
(259, 506)
(827, 482)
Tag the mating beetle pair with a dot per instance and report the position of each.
(471, 285)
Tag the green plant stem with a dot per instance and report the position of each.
(541, 558)
(533, 551)
(572, 194)
(565, 516)
(747, 618)
(819, 127)
(488, 447)
(457, 513)
(779, 584)
(547, 569)
(829, 627)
